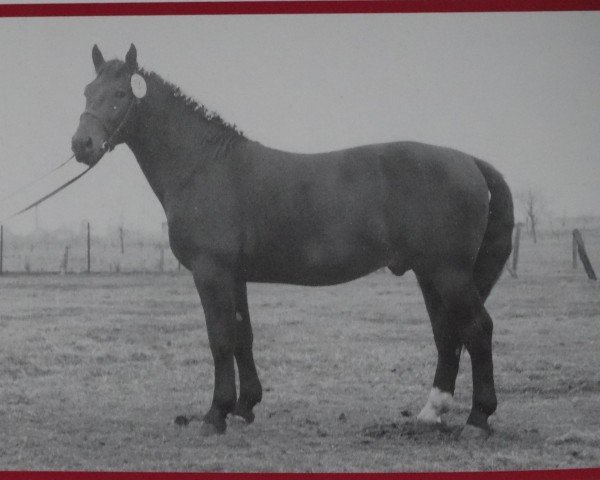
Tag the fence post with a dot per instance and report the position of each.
(122, 236)
(161, 264)
(583, 255)
(89, 256)
(1, 248)
(574, 251)
(515, 253)
(66, 260)
(515, 259)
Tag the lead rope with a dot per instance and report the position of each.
(39, 179)
(107, 146)
(54, 192)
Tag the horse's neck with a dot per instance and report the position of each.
(171, 145)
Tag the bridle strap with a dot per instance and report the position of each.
(109, 144)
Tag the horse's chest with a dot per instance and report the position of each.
(201, 229)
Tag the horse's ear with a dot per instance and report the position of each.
(131, 58)
(97, 58)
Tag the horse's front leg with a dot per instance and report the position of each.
(250, 387)
(216, 287)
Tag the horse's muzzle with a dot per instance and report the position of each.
(83, 148)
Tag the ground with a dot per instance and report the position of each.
(94, 369)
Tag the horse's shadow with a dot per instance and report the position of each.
(412, 430)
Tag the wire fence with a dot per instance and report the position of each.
(124, 251)
(84, 252)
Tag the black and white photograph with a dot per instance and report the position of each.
(300, 243)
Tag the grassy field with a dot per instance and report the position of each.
(95, 368)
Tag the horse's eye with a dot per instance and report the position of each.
(120, 93)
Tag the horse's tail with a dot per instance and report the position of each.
(497, 241)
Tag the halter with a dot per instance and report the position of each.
(138, 91)
(109, 144)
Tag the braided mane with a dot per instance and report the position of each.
(192, 106)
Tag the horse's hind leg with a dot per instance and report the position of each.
(466, 322)
(250, 387)
(448, 347)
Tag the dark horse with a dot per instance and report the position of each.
(240, 212)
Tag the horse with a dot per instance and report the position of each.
(238, 212)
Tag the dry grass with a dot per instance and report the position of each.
(94, 370)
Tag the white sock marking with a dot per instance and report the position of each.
(437, 404)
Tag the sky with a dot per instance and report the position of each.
(521, 91)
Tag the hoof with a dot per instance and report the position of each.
(246, 415)
(183, 420)
(428, 421)
(208, 430)
(471, 432)
(421, 427)
(428, 425)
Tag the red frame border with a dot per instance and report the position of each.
(563, 474)
(292, 7)
(298, 7)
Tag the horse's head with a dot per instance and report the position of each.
(110, 101)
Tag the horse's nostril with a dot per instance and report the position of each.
(82, 146)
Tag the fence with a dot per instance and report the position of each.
(123, 250)
(556, 251)
(83, 252)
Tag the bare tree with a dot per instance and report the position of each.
(534, 206)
